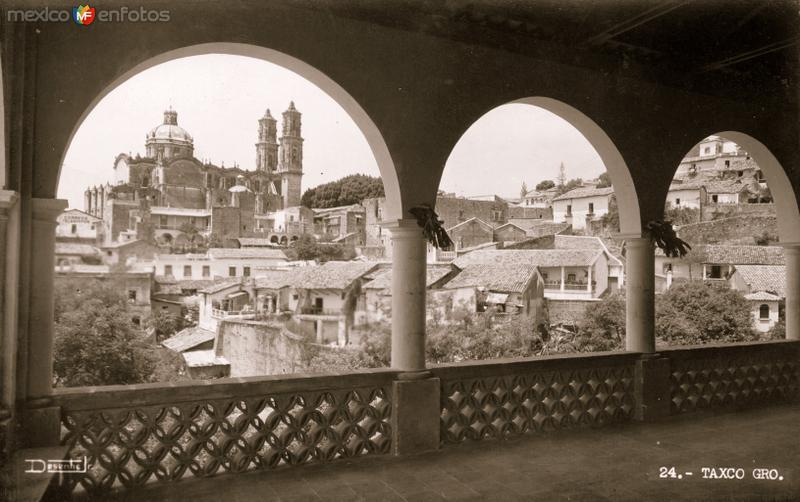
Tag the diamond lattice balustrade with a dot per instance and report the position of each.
(506, 398)
(733, 376)
(138, 438)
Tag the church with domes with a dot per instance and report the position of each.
(154, 197)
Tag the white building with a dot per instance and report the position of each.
(687, 195)
(576, 205)
(75, 224)
(764, 287)
(219, 262)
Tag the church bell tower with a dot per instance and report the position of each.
(290, 162)
(267, 146)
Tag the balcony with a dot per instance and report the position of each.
(220, 314)
(569, 286)
(151, 436)
(319, 311)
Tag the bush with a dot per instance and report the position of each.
(702, 312)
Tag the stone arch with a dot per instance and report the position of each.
(624, 188)
(783, 194)
(273, 239)
(294, 238)
(284, 241)
(365, 124)
(627, 200)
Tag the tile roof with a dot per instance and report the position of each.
(536, 257)
(577, 242)
(471, 220)
(246, 253)
(188, 338)
(197, 284)
(726, 186)
(76, 249)
(221, 285)
(494, 277)
(383, 279)
(764, 278)
(272, 279)
(253, 241)
(762, 296)
(585, 192)
(743, 255)
(330, 275)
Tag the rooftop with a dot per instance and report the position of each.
(585, 192)
(200, 358)
(246, 253)
(535, 257)
(743, 255)
(494, 277)
(221, 285)
(766, 278)
(330, 275)
(383, 278)
(188, 338)
(74, 248)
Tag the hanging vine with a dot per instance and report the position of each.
(432, 226)
(666, 239)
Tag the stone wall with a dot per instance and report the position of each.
(717, 211)
(567, 311)
(741, 229)
(259, 348)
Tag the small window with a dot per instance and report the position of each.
(132, 295)
(570, 277)
(716, 272)
(167, 269)
(591, 207)
(232, 271)
(74, 228)
(763, 312)
(187, 270)
(569, 209)
(677, 202)
(295, 297)
(727, 163)
(246, 271)
(715, 198)
(162, 220)
(206, 271)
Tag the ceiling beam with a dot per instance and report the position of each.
(638, 20)
(748, 55)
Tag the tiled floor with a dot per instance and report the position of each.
(619, 463)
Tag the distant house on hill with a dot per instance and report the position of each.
(764, 287)
(577, 205)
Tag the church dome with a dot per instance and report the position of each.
(170, 130)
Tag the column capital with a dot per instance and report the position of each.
(47, 209)
(7, 199)
(406, 228)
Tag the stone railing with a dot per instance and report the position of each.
(499, 398)
(139, 434)
(733, 376)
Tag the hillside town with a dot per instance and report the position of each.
(219, 247)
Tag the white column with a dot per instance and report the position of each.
(40, 324)
(562, 279)
(792, 312)
(640, 295)
(408, 295)
(589, 275)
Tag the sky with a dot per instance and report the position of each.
(219, 99)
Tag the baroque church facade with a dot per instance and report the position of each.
(154, 197)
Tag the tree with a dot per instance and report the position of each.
(192, 235)
(605, 180)
(545, 185)
(611, 218)
(348, 190)
(307, 247)
(703, 312)
(97, 344)
(523, 191)
(681, 215)
(603, 325)
(165, 324)
(569, 185)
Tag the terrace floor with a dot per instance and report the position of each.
(615, 463)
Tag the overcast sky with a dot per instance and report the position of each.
(219, 99)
